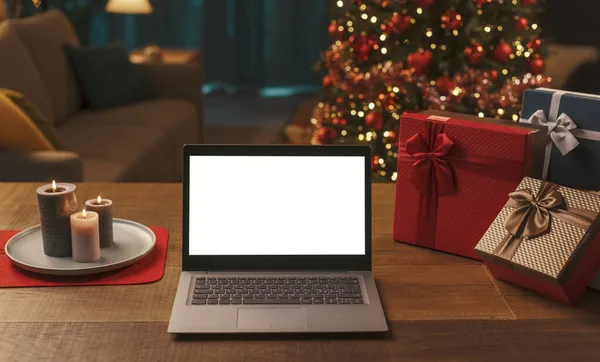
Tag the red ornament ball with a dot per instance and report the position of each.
(374, 163)
(502, 52)
(451, 20)
(327, 81)
(494, 74)
(420, 61)
(424, 3)
(399, 23)
(333, 29)
(336, 121)
(363, 51)
(536, 65)
(325, 135)
(362, 46)
(444, 84)
(474, 53)
(534, 44)
(391, 137)
(339, 100)
(374, 119)
(521, 23)
(528, 2)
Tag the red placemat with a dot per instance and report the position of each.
(149, 269)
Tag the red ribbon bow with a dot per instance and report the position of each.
(431, 170)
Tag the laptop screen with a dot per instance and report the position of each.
(276, 205)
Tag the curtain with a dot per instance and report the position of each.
(244, 43)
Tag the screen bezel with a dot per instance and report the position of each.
(275, 262)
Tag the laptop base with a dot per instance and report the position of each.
(276, 318)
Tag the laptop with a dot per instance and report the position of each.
(276, 239)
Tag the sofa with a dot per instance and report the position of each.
(140, 142)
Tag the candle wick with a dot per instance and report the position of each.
(58, 189)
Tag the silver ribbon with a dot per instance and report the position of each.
(559, 130)
(562, 130)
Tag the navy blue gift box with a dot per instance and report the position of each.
(573, 121)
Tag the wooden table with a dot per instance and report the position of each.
(439, 307)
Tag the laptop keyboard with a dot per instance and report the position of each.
(276, 290)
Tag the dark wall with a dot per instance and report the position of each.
(573, 22)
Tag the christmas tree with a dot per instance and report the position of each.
(390, 56)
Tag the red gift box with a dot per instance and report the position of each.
(545, 239)
(454, 174)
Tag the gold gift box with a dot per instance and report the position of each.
(545, 239)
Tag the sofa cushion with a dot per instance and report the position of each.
(98, 170)
(147, 138)
(18, 71)
(106, 76)
(23, 126)
(44, 37)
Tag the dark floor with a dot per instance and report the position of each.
(248, 118)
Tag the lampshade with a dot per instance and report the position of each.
(129, 6)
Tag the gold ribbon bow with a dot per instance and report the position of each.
(533, 216)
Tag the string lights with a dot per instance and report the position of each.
(389, 56)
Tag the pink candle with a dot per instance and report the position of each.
(85, 236)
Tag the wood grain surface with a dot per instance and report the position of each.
(440, 307)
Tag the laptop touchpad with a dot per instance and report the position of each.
(271, 318)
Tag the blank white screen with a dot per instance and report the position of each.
(276, 205)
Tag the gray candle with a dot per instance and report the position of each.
(56, 204)
(105, 219)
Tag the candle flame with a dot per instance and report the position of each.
(53, 185)
(83, 213)
(99, 199)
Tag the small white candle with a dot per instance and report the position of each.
(85, 236)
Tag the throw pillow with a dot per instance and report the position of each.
(106, 76)
(23, 126)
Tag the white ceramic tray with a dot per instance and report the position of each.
(132, 242)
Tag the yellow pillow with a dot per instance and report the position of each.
(23, 127)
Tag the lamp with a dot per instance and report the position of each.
(152, 53)
(129, 6)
